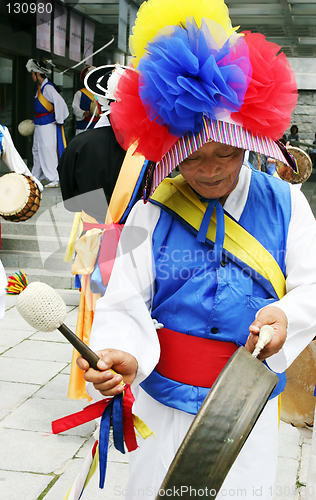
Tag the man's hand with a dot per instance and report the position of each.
(274, 317)
(105, 380)
(86, 114)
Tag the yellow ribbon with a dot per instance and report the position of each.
(72, 237)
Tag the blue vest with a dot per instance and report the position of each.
(85, 103)
(1, 147)
(40, 109)
(193, 298)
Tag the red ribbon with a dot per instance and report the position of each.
(96, 410)
(128, 425)
(88, 413)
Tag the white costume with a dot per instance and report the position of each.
(122, 321)
(79, 112)
(11, 156)
(45, 158)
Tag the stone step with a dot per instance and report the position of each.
(62, 280)
(20, 259)
(50, 244)
(34, 228)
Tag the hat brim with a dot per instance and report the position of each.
(96, 80)
(224, 132)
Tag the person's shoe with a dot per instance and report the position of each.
(53, 185)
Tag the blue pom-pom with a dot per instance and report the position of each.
(185, 75)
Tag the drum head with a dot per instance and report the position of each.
(14, 193)
(26, 127)
(298, 398)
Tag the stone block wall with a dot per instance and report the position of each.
(304, 115)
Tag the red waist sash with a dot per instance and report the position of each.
(192, 360)
(39, 115)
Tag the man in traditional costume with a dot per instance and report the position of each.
(51, 112)
(81, 106)
(228, 248)
(90, 171)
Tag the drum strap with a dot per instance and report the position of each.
(178, 198)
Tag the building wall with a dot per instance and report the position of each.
(304, 115)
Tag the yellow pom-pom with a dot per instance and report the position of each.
(154, 15)
(17, 283)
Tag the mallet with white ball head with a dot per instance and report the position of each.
(42, 308)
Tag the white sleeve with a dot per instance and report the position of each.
(299, 303)
(11, 156)
(61, 109)
(122, 318)
(78, 112)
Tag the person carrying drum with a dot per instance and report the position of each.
(81, 106)
(51, 112)
(11, 157)
(226, 248)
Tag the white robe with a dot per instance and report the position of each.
(45, 158)
(122, 321)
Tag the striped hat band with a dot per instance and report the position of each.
(217, 131)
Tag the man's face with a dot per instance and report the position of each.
(213, 169)
(34, 77)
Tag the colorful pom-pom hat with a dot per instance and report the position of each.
(194, 79)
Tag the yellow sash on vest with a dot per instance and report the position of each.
(47, 105)
(88, 94)
(177, 195)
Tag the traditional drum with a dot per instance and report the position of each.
(304, 164)
(26, 127)
(20, 197)
(298, 399)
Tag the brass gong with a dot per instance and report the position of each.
(304, 165)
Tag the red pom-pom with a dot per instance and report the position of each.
(272, 93)
(130, 122)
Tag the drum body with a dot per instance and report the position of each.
(20, 197)
(298, 399)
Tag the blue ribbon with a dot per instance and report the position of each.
(104, 441)
(114, 411)
(117, 422)
(220, 228)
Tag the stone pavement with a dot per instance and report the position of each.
(34, 373)
(34, 463)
